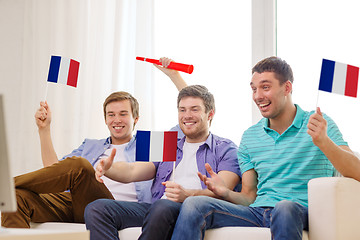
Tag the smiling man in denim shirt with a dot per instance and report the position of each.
(60, 191)
(42, 195)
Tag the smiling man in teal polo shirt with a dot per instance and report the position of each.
(277, 158)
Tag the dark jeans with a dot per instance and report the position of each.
(286, 220)
(160, 220)
(104, 217)
(41, 198)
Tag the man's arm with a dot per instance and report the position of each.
(342, 158)
(172, 74)
(177, 193)
(43, 120)
(218, 186)
(124, 172)
(248, 190)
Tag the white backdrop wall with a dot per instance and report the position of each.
(105, 37)
(101, 35)
(216, 39)
(309, 31)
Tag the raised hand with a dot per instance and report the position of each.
(104, 165)
(215, 183)
(317, 128)
(43, 116)
(164, 64)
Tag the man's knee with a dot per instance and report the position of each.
(78, 163)
(95, 209)
(104, 209)
(193, 205)
(164, 208)
(286, 209)
(286, 205)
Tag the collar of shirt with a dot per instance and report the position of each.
(130, 145)
(297, 122)
(208, 142)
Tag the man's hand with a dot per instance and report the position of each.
(215, 183)
(317, 128)
(43, 116)
(104, 165)
(175, 192)
(172, 74)
(164, 64)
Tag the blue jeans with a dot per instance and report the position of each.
(160, 220)
(286, 220)
(105, 217)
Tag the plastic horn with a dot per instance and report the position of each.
(173, 65)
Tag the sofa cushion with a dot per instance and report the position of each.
(248, 233)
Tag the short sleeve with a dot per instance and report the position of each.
(334, 132)
(244, 158)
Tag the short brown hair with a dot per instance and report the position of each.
(121, 96)
(279, 67)
(200, 92)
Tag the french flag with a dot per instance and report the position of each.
(339, 78)
(63, 70)
(154, 146)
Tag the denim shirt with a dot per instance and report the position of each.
(220, 153)
(92, 149)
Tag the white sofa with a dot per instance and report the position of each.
(334, 214)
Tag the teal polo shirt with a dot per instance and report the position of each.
(285, 163)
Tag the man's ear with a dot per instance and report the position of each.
(211, 114)
(135, 121)
(288, 87)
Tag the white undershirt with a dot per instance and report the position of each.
(120, 191)
(186, 170)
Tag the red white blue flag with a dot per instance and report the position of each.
(154, 146)
(339, 78)
(63, 70)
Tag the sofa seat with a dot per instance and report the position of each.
(334, 214)
(248, 233)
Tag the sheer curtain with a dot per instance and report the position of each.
(102, 35)
(105, 37)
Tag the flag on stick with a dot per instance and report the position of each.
(63, 70)
(156, 146)
(339, 78)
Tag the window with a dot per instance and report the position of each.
(307, 32)
(214, 36)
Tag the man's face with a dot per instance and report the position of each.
(193, 120)
(269, 95)
(120, 121)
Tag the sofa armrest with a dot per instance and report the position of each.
(334, 210)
